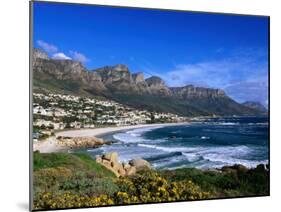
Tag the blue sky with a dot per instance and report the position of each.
(210, 50)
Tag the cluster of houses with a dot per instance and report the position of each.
(58, 111)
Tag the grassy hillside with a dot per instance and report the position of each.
(63, 180)
(77, 162)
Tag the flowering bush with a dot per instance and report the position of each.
(48, 200)
(145, 188)
(151, 187)
(63, 180)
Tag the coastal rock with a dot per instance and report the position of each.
(234, 169)
(126, 166)
(131, 171)
(261, 168)
(98, 159)
(122, 172)
(110, 161)
(113, 156)
(116, 165)
(140, 164)
(106, 163)
(240, 168)
(80, 142)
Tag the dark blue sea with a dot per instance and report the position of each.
(212, 143)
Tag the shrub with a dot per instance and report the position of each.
(49, 200)
(82, 184)
(249, 182)
(151, 187)
(48, 179)
(63, 180)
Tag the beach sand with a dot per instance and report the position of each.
(50, 144)
(101, 131)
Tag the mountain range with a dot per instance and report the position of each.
(132, 89)
(255, 105)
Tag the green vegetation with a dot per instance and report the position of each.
(63, 180)
(75, 162)
(229, 183)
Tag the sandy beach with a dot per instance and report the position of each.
(50, 144)
(101, 131)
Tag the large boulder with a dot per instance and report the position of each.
(234, 169)
(240, 168)
(112, 156)
(126, 166)
(140, 164)
(98, 159)
(121, 171)
(131, 171)
(80, 142)
(110, 161)
(261, 168)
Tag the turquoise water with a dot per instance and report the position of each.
(210, 144)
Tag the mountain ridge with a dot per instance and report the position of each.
(118, 83)
(255, 105)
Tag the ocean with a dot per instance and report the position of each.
(212, 143)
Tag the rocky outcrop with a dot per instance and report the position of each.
(81, 142)
(189, 91)
(116, 78)
(157, 86)
(138, 77)
(112, 74)
(39, 54)
(110, 161)
(140, 164)
(234, 169)
(69, 71)
(239, 169)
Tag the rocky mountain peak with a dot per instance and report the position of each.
(138, 77)
(73, 66)
(154, 80)
(157, 86)
(120, 67)
(117, 83)
(38, 53)
(113, 74)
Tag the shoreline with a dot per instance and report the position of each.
(97, 132)
(50, 144)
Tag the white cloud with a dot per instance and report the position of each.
(54, 51)
(242, 76)
(60, 56)
(249, 91)
(79, 56)
(47, 47)
(218, 73)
